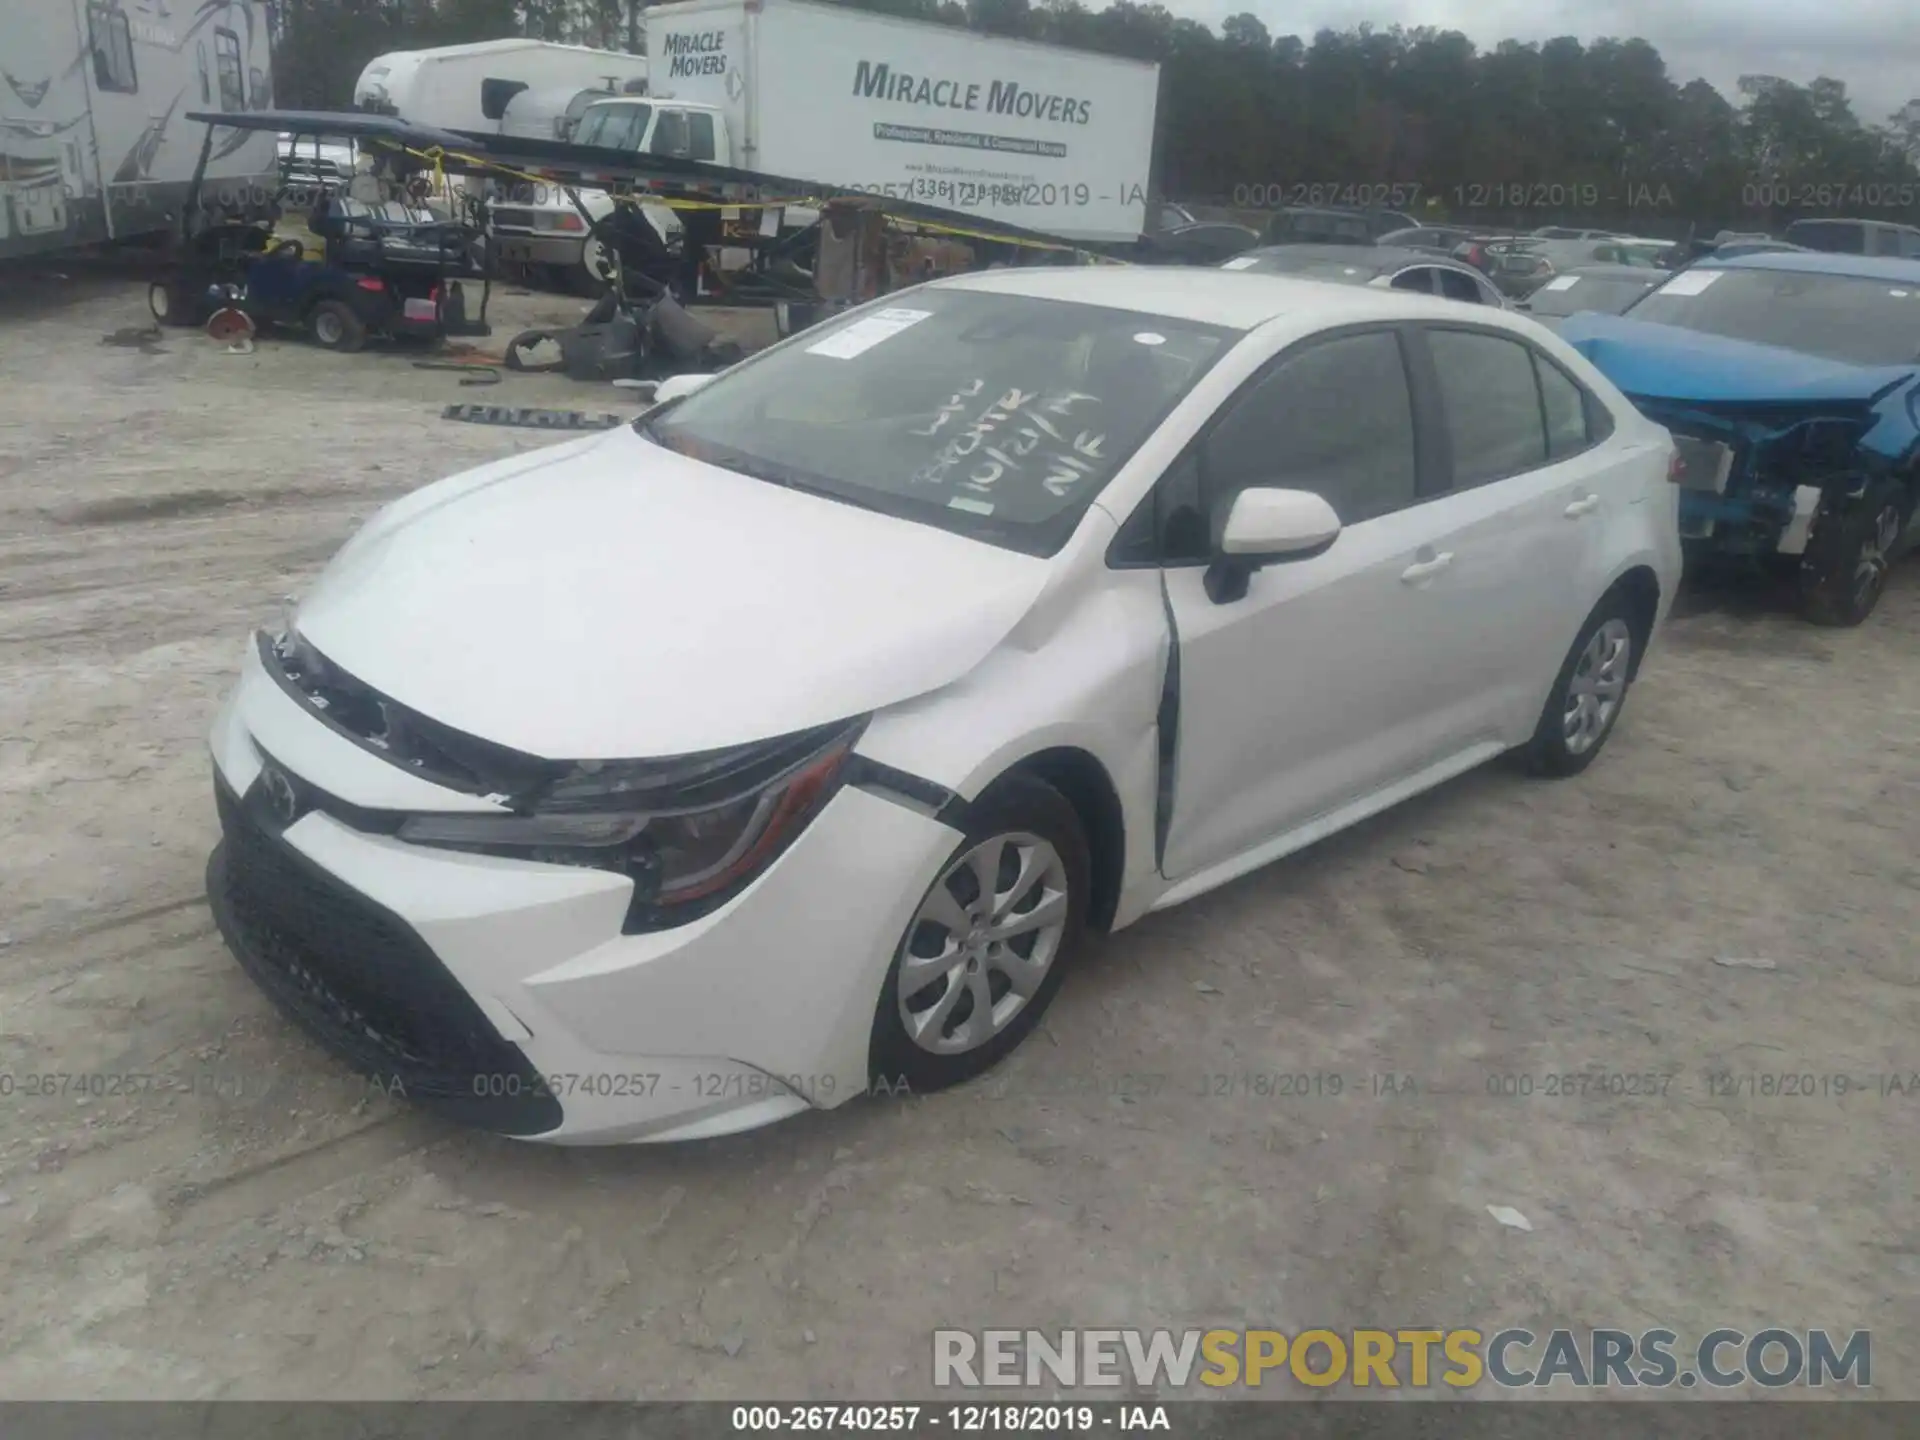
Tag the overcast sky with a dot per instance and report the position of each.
(1873, 45)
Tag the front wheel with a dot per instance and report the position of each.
(1844, 572)
(1588, 693)
(987, 948)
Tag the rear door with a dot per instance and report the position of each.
(1520, 513)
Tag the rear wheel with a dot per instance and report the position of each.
(1844, 572)
(336, 327)
(987, 948)
(1589, 692)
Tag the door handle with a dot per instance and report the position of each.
(1584, 506)
(1415, 573)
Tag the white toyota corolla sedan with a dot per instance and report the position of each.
(669, 781)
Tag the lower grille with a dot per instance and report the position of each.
(363, 983)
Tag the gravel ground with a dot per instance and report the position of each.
(270, 1228)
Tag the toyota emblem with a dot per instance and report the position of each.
(280, 796)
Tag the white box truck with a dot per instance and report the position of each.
(94, 140)
(1035, 135)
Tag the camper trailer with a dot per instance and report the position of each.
(468, 87)
(94, 140)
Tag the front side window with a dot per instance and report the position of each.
(1492, 404)
(1845, 237)
(996, 416)
(1419, 280)
(1886, 240)
(1335, 418)
(112, 42)
(670, 134)
(700, 135)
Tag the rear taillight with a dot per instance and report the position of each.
(368, 282)
(1676, 467)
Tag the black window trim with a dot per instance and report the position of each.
(1429, 439)
(105, 26)
(1600, 423)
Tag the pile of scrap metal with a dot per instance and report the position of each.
(627, 337)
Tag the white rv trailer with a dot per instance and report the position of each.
(468, 87)
(94, 140)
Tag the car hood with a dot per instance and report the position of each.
(609, 599)
(1669, 372)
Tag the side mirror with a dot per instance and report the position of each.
(1266, 526)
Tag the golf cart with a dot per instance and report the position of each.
(387, 268)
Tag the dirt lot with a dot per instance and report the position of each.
(275, 1230)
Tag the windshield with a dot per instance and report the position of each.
(1000, 417)
(1839, 317)
(1573, 293)
(613, 127)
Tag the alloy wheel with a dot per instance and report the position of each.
(1598, 685)
(982, 942)
(1870, 569)
(327, 328)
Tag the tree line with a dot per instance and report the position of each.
(1415, 119)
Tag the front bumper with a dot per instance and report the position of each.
(502, 993)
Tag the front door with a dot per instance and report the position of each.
(1306, 692)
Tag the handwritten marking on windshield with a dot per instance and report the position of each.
(1008, 436)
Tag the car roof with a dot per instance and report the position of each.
(1819, 262)
(1233, 299)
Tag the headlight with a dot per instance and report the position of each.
(689, 832)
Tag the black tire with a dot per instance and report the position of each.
(1554, 751)
(170, 305)
(334, 326)
(1844, 572)
(1016, 805)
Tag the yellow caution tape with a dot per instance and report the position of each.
(438, 156)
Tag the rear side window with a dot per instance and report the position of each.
(1456, 286)
(1492, 405)
(1563, 405)
(1910, 244)
(1886, 240)
(1335, 418)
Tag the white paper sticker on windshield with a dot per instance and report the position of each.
(1240, 262)
(1564, 282)
(1147, 337)
(1690, 282)
(972, 507)
(863, 335)
(1899, 294)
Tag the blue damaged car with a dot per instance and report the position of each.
(1791, 382)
